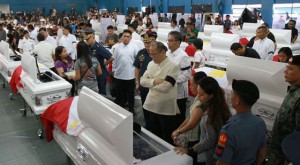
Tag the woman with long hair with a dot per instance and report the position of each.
(86, 68)
(63, 64)
(13, 37)
(190, 126)
(215, 115)
(182, 28)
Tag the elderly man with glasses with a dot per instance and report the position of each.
(161, 77)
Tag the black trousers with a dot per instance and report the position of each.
(163, 126)
(125, 92)
(181, 103)
(146, 113)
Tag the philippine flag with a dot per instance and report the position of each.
(65, 115)
(15, 80)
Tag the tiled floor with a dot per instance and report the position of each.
(19, 143)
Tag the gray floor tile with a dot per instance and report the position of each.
(26, 160)
(19, 143)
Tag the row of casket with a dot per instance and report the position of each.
(107, 136)
(218, 49)
(267, 75)
(9, 60)
(41, 86)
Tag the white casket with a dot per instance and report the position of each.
(108, 137)
(138, 43)
(39, 94)
(219, 52)
(269, 78)
(121, 28)
(162, 34)
(249, 29)
(164, 25)
(8, 60)
(208, 30)
(267, 75)
(283, 39)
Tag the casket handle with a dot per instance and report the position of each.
(265, 113)
(83, 153)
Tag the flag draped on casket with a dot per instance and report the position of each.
(65, 115)
(16, 79)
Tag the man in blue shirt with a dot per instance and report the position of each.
(242, 140)
(101, 53)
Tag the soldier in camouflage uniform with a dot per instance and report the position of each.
(288, 116)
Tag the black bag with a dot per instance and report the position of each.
(77, 83)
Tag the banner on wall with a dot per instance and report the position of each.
(4, 8)
(169, 17)
(279, 21)
(198, 17)
(180, 16)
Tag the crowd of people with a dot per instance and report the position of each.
(160, 74)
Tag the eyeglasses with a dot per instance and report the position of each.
(153, 54)
(172, 40)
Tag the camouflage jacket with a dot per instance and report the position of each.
(287, 118)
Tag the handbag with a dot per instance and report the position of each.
(78, 81)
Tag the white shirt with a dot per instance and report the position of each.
(27, 45)
(93, 21)
(33, 35)
(112, 51)
(141, 29)
(161, 99)
(44, 53)
(265, 48)
(184, 65)
(236, 28)
(200, 58)
(15, 21)
(176, 28)
(123, 62)
(260, 22)
(136, 36)
(51, 41)
(69, 42)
